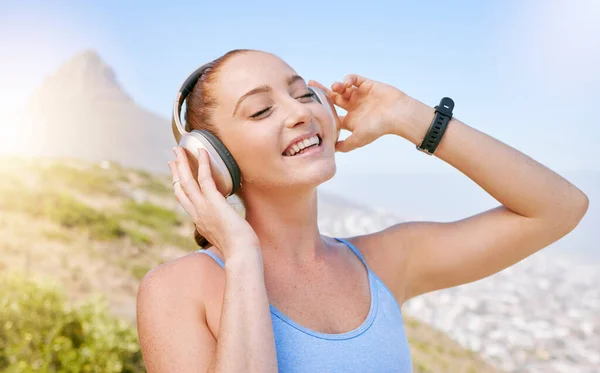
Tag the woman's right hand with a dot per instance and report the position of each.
(213, 216)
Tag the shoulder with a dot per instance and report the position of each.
(172, 325)
(180, 283)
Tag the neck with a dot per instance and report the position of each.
(286, 225)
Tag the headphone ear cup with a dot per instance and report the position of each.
(322, 97)
(227, 158)
(224, 170)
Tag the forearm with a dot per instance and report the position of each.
(518, 182)
(246, 342)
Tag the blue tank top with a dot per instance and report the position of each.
(378, 345)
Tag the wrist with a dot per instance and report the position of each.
(240, 253)
(412, 120)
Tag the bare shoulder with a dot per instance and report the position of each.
(186, 277)
(171, 313)
(194, 281)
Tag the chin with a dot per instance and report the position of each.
(314, 174)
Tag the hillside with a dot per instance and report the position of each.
(81, 111)
(97, 228)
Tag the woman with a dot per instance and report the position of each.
(290, 299)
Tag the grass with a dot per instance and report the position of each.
(156, 187)
(58, 235)
(139, 238)
(170, 237)
(150, 215)
(49, 201)
(60, 208)
(139, 271)
(90, 180)
(434, 351)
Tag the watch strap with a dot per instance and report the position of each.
(443, 115)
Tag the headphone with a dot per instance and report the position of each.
(224, 169)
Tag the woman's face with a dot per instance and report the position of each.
(264, 109)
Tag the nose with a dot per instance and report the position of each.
(299, 113)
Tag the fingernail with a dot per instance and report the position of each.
(174, 150)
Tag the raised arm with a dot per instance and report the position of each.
(538, 206)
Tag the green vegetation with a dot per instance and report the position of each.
(61, 208)
(40, 332)
(154, 185)
(163, 222)
(91, 179)
(138, 238)
(433, 352)
(150, 215)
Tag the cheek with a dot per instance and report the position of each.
(255, 152)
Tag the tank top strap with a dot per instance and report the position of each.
(212, 255)
(355, 250)
(351, 246)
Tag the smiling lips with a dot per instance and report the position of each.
(299, 146)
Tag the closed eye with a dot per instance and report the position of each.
(258, 113)
(309, 94)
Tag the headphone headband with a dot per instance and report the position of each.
(188, 85)
(184, 90)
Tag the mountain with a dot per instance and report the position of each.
(82, 112)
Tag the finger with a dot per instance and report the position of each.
(339, 87)
(354, 80)
(187, 182)
(314, 83)
(205, 180)
(348, 93)
(343, 90)
(185, 202)
(350, 143)
(335, 97)
(345, 123)
(339, 99)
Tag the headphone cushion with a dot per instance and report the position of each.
(316, 95)
(321, 97)
(227, 158)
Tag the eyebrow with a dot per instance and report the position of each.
(262, 89)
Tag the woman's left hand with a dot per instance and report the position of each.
(373, 109)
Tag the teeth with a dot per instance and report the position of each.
(295, 148)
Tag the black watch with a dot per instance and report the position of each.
(443, 114)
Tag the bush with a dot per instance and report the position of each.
(150, 215)
(63, 209)
(41, 332)
(89, 180)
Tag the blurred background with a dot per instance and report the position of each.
(86, 205)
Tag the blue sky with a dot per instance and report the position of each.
(525, 72)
